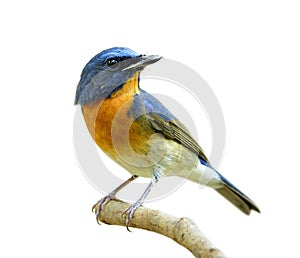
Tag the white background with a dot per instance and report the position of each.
(249, 54)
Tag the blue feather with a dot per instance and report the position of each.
(145, 103)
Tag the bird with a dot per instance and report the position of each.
(138, 132)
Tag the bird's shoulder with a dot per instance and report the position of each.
(152, 113)
(145, 103)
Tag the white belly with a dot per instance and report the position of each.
(169, 158)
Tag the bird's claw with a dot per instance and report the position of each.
(99, 206)
(130, 212)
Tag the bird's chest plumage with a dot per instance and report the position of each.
(112, 124)
(113, 127)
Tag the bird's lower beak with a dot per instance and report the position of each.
(142, 61)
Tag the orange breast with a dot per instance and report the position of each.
(112, 125)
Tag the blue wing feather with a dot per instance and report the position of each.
(145, 103)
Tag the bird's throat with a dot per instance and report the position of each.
(131, 87)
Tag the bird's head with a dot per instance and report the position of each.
(109, 70)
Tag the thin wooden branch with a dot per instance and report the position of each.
(182, 230)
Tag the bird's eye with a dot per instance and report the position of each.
(112, 61)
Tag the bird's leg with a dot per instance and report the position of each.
(101, 203)
(131, 209)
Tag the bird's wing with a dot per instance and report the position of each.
(164, 122)
(176, 131)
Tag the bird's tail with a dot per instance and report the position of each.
(236, 197)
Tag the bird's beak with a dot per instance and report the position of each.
(142, 61)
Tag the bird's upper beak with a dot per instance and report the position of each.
(142, 61)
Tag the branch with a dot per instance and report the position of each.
(182, 230)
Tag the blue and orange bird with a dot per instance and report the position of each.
(138, 132)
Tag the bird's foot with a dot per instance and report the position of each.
(129, 212)
(99, 206)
